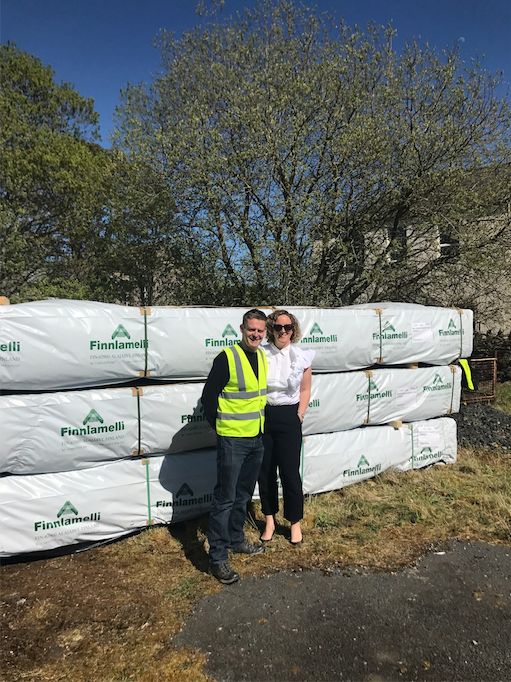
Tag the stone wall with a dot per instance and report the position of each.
(489, 344)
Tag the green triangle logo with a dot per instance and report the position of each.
(437, 379)
(121, 332)
(93, 416)
(362, 462)
(229, 331)
(66, 509)
(184, 490)
(315, 329)
(387, 327)
(452, 324)
(426, 451)
(372, 385)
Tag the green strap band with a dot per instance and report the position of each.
(139, 423)
(461, 332)
(149, 517)
(453, 374)
(146, 342)
(368, 417)
(380, 359)
(413, 445)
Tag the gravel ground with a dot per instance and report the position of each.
(481, 425)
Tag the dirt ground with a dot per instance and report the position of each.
(101, 614)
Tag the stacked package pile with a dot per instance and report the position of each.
(95, 463)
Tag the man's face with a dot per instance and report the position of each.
(253, 333)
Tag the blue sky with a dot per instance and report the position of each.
(101, 45)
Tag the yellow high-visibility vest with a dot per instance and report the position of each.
(242, 401)
(468, 373)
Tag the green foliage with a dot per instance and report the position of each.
(503, 401)
(309, 162)
(51, 174)
(78, 221)
(143, 256)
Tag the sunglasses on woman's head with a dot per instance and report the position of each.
(280, 327)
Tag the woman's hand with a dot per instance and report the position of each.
(305, 393)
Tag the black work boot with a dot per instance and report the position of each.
(224, 573)
(247, 548)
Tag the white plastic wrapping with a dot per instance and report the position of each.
(77, 429)
(181, 487)
(51, 432)
(385, 333)
(334, 460)
(172, 419)
(45, 511)
(186, 340)
(71, 344)
(351, 399)
(432, 441)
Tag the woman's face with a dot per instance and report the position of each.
(283, 335)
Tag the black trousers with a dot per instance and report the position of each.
(282, 444)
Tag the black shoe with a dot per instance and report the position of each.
(224, 573)
(247, 548)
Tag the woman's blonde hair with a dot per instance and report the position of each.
(270, 322)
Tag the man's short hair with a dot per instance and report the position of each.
(253, 314)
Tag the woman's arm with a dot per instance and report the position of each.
(305, 392)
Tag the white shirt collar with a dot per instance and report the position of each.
(285, 350)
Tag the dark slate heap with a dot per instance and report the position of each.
(481, 425)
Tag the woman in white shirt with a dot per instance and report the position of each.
(289, 388)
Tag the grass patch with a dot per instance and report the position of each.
(185, 589)
(385, 521)
(117, 607)
(503, 398)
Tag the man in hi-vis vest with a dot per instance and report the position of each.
(233, 400)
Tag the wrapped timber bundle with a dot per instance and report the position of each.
(45, 511)
(57, 344)
(360, 336)
(334, 460)
(63, 431)
(42, 512)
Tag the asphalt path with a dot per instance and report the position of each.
(446, 618)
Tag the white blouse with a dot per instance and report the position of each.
(285, 371)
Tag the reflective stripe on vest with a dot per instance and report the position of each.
(241, 403)
(240, 395)
(468, 373)
(230, 415)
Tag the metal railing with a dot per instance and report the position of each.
(484, 374)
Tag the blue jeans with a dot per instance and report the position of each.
(238, 462)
